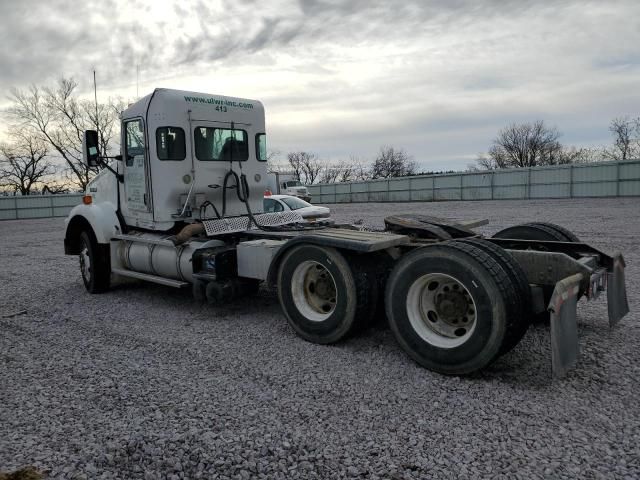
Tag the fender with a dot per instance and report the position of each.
(101, 218)
(367, 243)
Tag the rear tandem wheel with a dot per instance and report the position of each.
(449, 306)
(544, 232)
(518, 324)
(538, 231)
(323, 297)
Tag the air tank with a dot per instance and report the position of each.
(156, 255)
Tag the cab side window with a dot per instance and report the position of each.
(261, 147)
(134, 140)
(170, 143)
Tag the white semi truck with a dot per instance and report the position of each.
(287, 184)
(182, 206)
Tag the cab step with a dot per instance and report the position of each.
(169, 282)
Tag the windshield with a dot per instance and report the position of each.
(294, 183)
(295, 203)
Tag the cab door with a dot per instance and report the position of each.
(136, 201)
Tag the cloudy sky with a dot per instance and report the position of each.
(342, 78)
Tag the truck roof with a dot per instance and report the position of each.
(195, 101)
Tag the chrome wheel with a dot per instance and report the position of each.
(441, 310)
(314, 292)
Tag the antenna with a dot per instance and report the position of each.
(137, 80)
(95, 95)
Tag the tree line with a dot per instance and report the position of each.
(522, 145)
(309, 168)
(45, 125)
(519, 145)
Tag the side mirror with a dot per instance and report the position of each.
(90, 150)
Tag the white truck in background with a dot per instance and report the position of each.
(287, 184)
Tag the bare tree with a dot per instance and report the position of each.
(485, 162)
(392, 162)
(59, 118)
(626, 139)
(524, 145)
(295, 163)
(311, 167)
(346, 170)
(55, 188)
(360, 169)
(350, 170)
(580, 155)
(305, 166)
(24, 164)
(354, 169)
(329, 174)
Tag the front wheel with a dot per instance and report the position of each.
(449, 305)
(94, 264)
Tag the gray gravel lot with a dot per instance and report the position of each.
(141, 382)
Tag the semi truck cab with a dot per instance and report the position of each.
(182, 206)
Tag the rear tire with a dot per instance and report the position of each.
(366, 273)
(532, 231)
(518, 324)
(567, 234)
(95, 265)
(449, 305)
(539, 231)
(321, 296)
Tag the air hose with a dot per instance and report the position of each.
(241, 186)
(242, 189)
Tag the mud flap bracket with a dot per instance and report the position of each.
(617, 303)
(564, 325)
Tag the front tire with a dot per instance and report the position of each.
(448, 306)
(94, 264)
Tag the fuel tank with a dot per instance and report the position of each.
(155, 254)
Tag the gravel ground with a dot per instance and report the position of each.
(141, 382)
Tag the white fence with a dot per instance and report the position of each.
(603, 179)
(37, 206)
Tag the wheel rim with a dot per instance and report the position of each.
(441, 310)
(85, 262)
(314, 291)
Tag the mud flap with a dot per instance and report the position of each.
(564, 325)
(617, 303)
